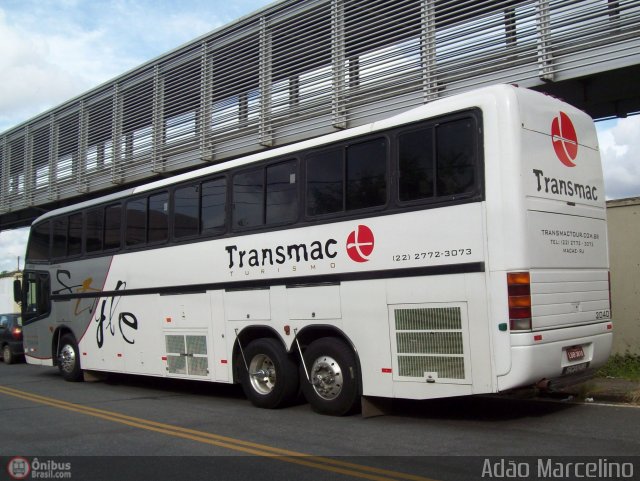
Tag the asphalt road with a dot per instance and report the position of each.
(130, 427)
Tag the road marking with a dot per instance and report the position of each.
(256, 449)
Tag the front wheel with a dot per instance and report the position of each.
(272, 379)
(333, 386)
(69, 359)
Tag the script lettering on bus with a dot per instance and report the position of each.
(126, 319)
(84, 286)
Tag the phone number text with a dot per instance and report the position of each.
(416, 256)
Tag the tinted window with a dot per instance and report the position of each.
(214, 197)
(456, 157)
(94, 220)
(438, 161)
(75, 235)
(351, 178)
(282, 198)
(186, 210)
(325, 173)
(59, 247)
(366, 174)
(158, 217)
(248, 199)
(39, 242)
(112, 226)
(136, 232)
(417, 166)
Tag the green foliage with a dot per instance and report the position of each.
(622, 366)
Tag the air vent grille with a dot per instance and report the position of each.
(429, 340)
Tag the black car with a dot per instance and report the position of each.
(11, 338)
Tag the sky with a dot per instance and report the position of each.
(54, 50)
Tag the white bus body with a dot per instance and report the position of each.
(419, 296)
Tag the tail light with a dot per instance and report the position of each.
(519, 290)
(16, 332)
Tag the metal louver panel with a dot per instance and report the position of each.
(298, 69)
(187, 355)
(429, 342)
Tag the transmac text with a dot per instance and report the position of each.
(565, 187)
(317, 250)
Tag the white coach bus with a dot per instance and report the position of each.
(455, 249)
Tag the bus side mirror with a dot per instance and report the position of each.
(17, 291)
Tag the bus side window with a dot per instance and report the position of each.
(213, 206)
(74, 247)
(325, 182)
(94, 225)
(158, 217)
(136, 214)
(39, 242)
(456, 157)
(248, 199)
(60, 228)
(186, 213)
(366, 174)
(416, 165)
(112, 227)
(282, 193)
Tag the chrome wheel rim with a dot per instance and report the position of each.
(262, 374)
(67, 358)
(6, 353)
(326, 377)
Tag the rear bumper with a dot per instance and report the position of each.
(539, 355)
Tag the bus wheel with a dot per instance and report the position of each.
(69, 359)
(272, 378)
(333, 386)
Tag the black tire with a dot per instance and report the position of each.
(7, 355)
(334, 386)
(278, 385)
(69, 359)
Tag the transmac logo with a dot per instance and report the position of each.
(360, 244)
(564, 138)
(359, 247)
(565, 145)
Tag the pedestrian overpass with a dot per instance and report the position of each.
(298, 69)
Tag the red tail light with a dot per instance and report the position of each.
(16, 332)
(519, 290)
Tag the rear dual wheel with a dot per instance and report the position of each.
(333, 386)
(271, 380)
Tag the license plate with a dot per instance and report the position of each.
(575, 353)
(575, 368)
